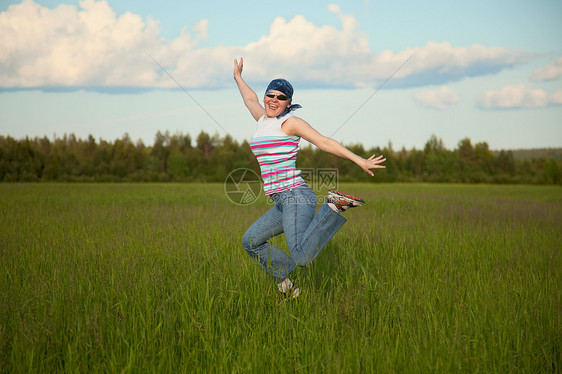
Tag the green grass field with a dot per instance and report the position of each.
(153, 278)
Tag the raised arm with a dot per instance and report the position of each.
(248, 95)
(299, 127)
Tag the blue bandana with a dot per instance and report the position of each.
(282, 85)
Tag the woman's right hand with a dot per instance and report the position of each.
(250, 98)
(238, 68)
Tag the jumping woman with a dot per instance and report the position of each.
(276, 145)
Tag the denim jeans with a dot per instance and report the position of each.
(306, 233)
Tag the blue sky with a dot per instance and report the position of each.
(490, 71)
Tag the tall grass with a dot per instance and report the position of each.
(152, 277)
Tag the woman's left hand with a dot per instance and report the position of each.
(372, 163)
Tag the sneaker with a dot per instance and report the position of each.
(286, 287)
(343, 201)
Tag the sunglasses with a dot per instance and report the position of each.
(280, 97)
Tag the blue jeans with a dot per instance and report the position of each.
(306, 233)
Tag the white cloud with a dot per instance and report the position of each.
(349, 23)
(201, 29)
(549, 72)
(91, 46)
(556, 98)
(519, 96)
(442, 98)
(68, 47)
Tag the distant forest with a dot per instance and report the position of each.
(209, 158)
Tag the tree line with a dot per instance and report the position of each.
(210, 158)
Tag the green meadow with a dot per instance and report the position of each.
(153, 278)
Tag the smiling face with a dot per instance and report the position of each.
(274, 106)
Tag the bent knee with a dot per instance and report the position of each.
(248, 243)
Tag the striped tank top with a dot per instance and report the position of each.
(276, 153)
